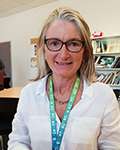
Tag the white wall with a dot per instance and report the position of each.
(101, 15)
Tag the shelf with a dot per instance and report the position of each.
(107, 54)
(107, 69)
(106, 38)
(115, 87)
(107, 60)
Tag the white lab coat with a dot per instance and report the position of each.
(94, 122)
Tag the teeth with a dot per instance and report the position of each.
(61, 63)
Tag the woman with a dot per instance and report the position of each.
(66, 109)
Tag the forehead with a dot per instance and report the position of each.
(63, 29)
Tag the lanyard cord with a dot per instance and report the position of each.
(57, 138)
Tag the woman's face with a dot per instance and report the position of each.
(63, 62)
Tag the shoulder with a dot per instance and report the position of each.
(35, 86)
(105, 94)
(101, 87)
(101, 92)
(98, 87)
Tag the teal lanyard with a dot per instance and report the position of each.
(57, 138)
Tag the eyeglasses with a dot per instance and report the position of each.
(73, 45)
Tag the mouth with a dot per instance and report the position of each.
(63, 63)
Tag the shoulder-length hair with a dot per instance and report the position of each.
(87, 68)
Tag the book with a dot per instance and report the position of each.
(117, 63)
(106, 61)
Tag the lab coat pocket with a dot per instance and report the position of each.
(84, 129)
(39, 128)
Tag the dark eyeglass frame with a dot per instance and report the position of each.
(64, 43)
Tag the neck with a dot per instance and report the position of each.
(62, 84)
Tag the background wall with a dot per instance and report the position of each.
(20, 28)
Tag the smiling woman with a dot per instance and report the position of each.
(68, 109)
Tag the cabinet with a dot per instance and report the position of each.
(107, 61)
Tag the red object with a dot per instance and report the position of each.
(97, 34)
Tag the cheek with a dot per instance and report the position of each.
(49, 57)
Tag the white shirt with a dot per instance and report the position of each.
(94, 122)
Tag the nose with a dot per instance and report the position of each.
(64, 53)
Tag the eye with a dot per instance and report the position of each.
(75, 43)
(53, 42)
